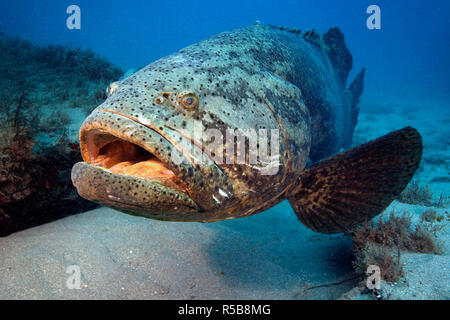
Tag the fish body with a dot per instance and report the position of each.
(148, 149)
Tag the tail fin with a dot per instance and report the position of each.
(342, 61)
(338, 53)
(343, 191)
(357, 86)
(355, 89)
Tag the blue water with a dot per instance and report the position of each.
(408, 59)
(407, 67)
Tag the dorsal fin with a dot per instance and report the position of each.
(291, 30)
(338, 53)
(332, 43)
(312, 37)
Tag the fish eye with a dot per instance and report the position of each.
(188, 100)
(159, 100)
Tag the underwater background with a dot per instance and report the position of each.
(48, 86)
(406, 60)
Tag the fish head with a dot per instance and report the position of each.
(158, 145)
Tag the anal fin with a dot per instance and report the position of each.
(349, 188)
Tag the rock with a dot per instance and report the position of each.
(45, 93)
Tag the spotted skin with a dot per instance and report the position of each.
(260, 77)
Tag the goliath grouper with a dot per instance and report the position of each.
(260, 77)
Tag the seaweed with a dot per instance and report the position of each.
(416, 194)
(38, 88)
(381, 243)
(421, 195)
(16, 155)
(430, 215)
(57, 121)
(387, 259)
(53, 74)
(443, 200)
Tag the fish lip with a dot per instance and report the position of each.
(87, 181)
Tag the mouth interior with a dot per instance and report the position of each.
(125, 158)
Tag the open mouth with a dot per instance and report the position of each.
(142, 167)
(126, 158)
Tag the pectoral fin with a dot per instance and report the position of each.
(345, 190)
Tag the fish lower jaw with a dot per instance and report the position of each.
(144, 197)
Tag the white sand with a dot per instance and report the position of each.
(267, 256)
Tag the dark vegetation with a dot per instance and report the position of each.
(381, 243)
(416, 194)
(431, 215)
(38, 86)
(54, 74)
(421, 195)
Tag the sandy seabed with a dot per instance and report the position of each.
(267, 256)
